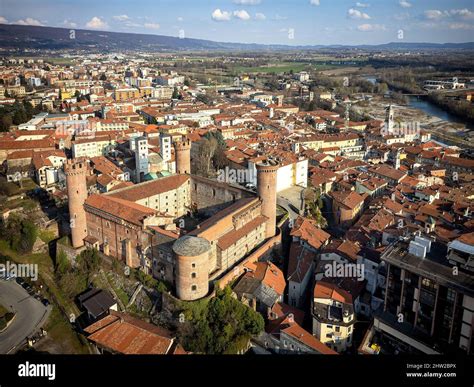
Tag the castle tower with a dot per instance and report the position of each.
(266, 190)
(192, 267)
(183, 156)
(76, 171)
(140, 147)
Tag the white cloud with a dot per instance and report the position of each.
(219, 15)
(130, 24)
(279, 17)
(3, 20)
(314, 2)
(362, 5)
(401, 16)
(96, 23)
(28, 22)
(247, 2)
(260, 16)
(69, 23)
(152, 26)
(242, 14)
(461, 26)
(433, 14)
(436, 14)
(463, 13)
(121, 17)
(371, 27)
(356, 14)
(180, 19)
(405, 4)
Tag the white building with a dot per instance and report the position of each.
(289, 175)
(333, 316)
(139, 145)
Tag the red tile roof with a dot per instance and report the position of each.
(123, 334)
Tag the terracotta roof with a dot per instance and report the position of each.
(269, 275)
(331, 291)
(147, 189)
(300, 262)
(232, 237)
(123, 209)
(467, 239)
(123, 334)
(307, 230)
(345, 248)
(349, 199)
(297, 332)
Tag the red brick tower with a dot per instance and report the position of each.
(266, 190)
(76, 171)
(183, 156)
(192, 267)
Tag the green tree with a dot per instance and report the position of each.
(88, 262)
(224, 326)
(20, 233)
(62, 263)
(176, 94)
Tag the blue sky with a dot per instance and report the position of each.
(293, 22)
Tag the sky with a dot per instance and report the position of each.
(290, 22)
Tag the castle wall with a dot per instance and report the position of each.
(211, 196)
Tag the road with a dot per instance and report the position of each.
(290, 200)
(30, 314)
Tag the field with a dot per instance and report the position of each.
(277, 67)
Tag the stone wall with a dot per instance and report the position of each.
(211, 196)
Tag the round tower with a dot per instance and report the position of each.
(192, 267)
(76, 171)
(183, 156)
(266, 190)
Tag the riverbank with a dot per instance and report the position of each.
(452, 133)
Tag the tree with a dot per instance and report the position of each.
(72, 283)
(6, 122)
(62, 263)
(176, 94)
(20, 233)
(224, 326)
(88, 262)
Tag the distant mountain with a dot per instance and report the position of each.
(16, 37)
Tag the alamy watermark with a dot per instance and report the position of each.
(344, 270)
(411, 128)
(23, 270)
(233, 175)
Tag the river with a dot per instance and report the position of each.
(429, 108)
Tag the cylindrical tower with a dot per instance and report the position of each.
(266, 190)
(192, 267)
(76, 171)
(183, 156)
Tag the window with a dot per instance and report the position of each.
(193, 275)
(194, 288)
(338, 329)
(193, 265)
(328, 335)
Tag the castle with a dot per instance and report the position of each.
(184, 229)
